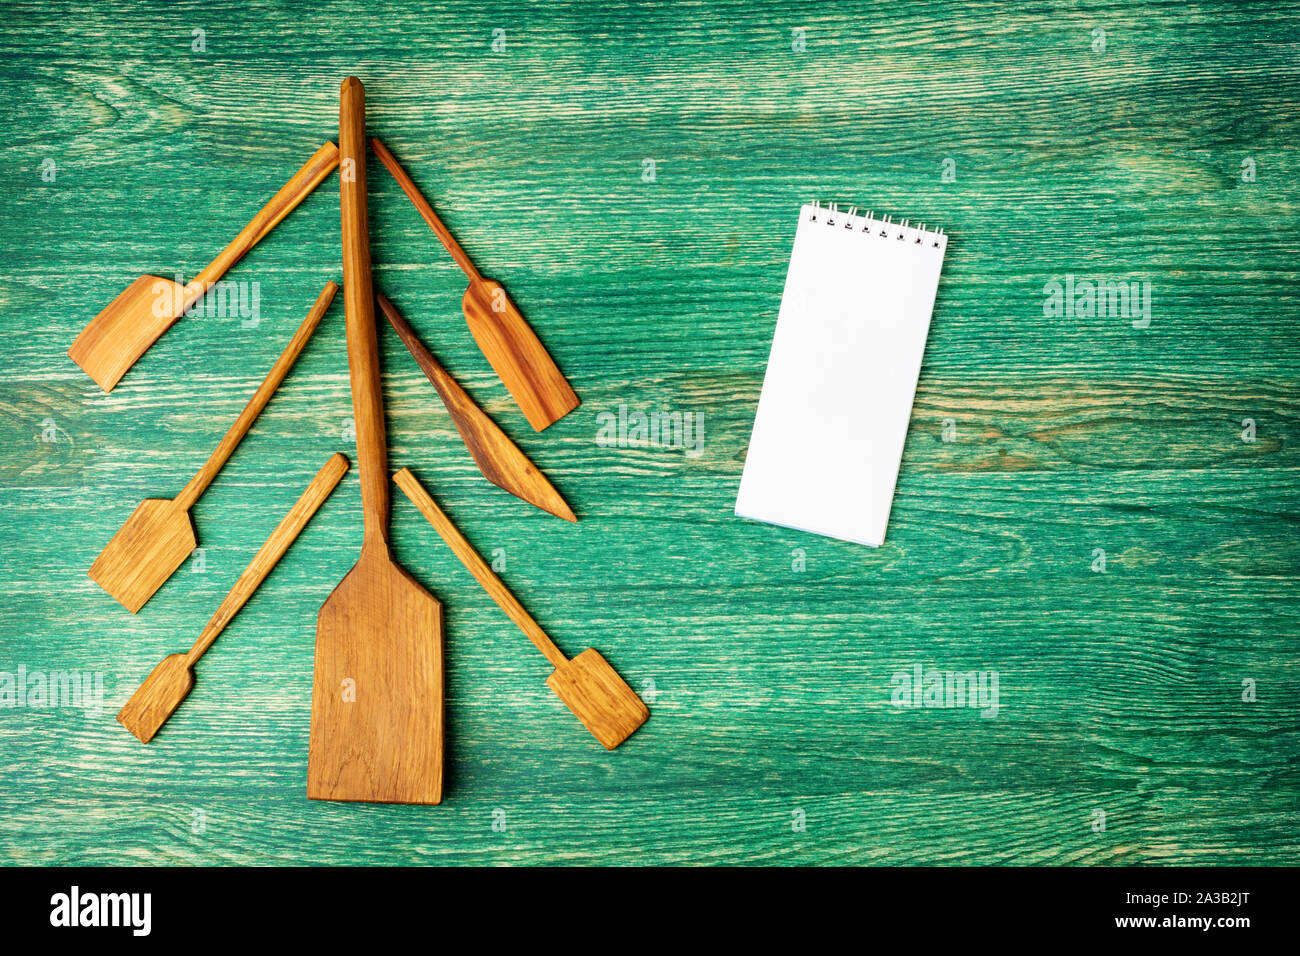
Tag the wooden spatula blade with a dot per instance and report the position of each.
(158, 697)
(502, 463)
(153, 543)
(125, 329)
(376, 711)
(539, 388)
(530, 485)
(598, 697)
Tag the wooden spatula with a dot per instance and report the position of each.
(376, 705)
(132, 322)
(163, 690)
(497, 457)
(159, 535)
(588, 685)
(505, 338)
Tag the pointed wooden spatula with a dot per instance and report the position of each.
(376, 700)
(587, 684)
(505, 338)
(159, 535)
(132, 322)
(168, 684)
(497, 457)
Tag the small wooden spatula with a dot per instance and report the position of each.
(159, 535)
(505, 338)
(163, 690)
(588, 685)
(497, 457)
(132, 322)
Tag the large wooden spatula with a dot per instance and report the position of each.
(132, 322)
(376, 705)
(505, 338)
(159, 535)
(497, 457)
(588, 685)
(163, 690)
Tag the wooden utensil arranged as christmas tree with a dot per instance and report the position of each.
(376, 707)
(163, 690)
(497, 457)
(159, 535)
(587, 684)
(132, 322)
(506, 339)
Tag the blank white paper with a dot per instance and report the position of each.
(841, 376)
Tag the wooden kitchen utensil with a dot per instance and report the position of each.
(159, 535)
(505, 338)
(163, 690)
(376, 706)
(497, 457)
(132, 322)
(588, 685)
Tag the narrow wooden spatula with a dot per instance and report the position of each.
(376, 703)
(159, 535)
(505, 338)
(497, 457)
(587, 684)
(132, 322)
(163, 690)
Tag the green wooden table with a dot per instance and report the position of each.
(1104, 515)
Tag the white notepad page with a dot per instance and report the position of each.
(837, 397)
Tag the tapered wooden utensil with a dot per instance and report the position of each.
(505, 338)
(376, 705)
(587, 684)
(497, 457)
(163, 690)
(132, 322)
(159, 535)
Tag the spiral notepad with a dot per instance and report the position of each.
(837, 396)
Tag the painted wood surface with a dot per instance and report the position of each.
(633, 174)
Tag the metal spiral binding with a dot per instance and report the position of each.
(882, 228)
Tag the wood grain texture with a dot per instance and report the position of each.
(152, 543)
(1121, 691)
(125, 328)
(167, 684)
(159, 535)
(497, 457)
(506, 339)
(517, 355)
(377, 690)
(112, 341)
(598, 697)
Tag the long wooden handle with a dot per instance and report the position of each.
(271, 552)
(359, 302)
(293, 192)
(199, 483)
(422, 206)
(474, 562)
